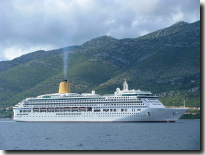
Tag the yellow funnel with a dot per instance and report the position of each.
(64, 87)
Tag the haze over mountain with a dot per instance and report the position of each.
(166, 62)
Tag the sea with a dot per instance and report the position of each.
(182, 135)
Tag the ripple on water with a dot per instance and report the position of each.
(182, 135)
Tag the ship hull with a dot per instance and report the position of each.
(122, 106)
(147, 115)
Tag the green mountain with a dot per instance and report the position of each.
(166, 62)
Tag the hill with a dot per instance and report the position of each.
(166, 62)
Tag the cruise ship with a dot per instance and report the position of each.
(122, 106)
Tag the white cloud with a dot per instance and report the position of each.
(178, 16)
(28, 25)
(16, 51)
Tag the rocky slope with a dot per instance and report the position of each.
(167, 62)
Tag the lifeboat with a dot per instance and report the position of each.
(42, 109)
(35, 109)
(59, 109)
(67, 108)
(51, 109)
(82, 108)
(75, 108)
(89, 108)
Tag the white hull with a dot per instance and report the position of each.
(156, 115)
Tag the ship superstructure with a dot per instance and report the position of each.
(122, 106)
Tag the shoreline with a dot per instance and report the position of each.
(177, 120)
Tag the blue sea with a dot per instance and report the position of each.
(182, 135)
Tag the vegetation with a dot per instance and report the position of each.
(166, 62)
(193, 114)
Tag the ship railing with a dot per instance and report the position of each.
(111, 95)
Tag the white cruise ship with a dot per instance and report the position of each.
(122, 106)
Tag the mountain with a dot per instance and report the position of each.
(4, 65)
(166, 62)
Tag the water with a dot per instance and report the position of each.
(182, 135)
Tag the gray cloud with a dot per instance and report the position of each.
(27, 26)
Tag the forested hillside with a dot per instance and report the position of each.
(166, 62)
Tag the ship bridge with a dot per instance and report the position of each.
(127, 92)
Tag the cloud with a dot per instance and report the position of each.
(48, 24)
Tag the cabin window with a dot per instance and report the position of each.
(105, 110)
(97, 110)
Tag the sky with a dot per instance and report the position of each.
(30, 25)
